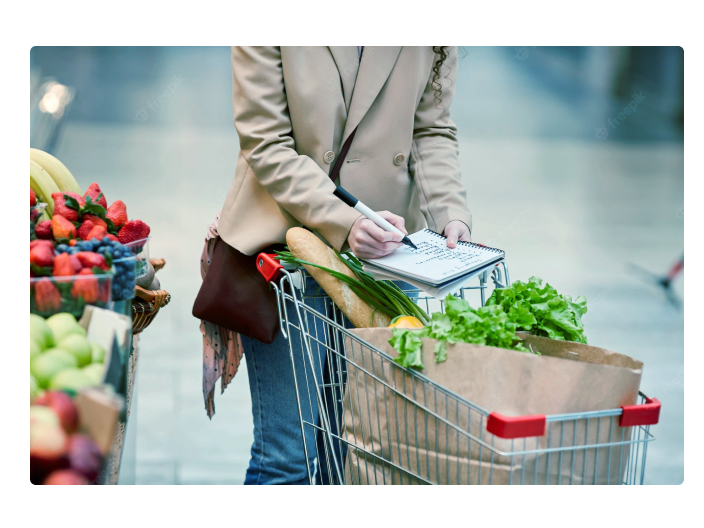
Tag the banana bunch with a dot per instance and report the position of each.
(48, 175)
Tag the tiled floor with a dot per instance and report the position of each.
(568, 207)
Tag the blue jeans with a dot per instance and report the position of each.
(277, 454)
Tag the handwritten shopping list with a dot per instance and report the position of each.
(433, 260)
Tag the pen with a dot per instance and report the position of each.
(373, 216)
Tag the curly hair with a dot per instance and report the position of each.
(441, 54)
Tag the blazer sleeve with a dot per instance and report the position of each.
(297, 183)
(434, 161)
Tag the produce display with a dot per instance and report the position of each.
(58, 453)
(61, 357)
(533, 306)
(62, 362)
(82, 251)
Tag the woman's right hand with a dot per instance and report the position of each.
(368, 240)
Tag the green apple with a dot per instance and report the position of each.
(40, 332)
(45, 366)
(33, 388)
(97, 353)
(79, 346)
(63, 325)
(96, 372)
(34, 349)
(71, 379)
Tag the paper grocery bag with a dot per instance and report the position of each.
(408, 429)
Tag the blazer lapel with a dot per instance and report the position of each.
(347, 61)
(377, 63)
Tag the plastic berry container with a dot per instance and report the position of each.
(140, 249)
(50, 295)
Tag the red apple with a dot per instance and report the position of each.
(47, 450)
(65, 477)
(84, 457)
(63, 405)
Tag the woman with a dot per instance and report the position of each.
(293, 110)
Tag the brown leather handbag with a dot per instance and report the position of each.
(235, 295)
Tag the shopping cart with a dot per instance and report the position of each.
(367, 420)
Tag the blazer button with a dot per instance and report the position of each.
(329, 156)
(399, 159)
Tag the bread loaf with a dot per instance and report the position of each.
(306, 246)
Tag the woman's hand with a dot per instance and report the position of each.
(368, 240)
(456, 230)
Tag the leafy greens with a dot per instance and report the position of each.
(537, 306)
(460, 323)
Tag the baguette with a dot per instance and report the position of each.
(306, 246)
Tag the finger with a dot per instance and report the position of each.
(366, 251)
(452, 236)
(371, 242)
(395, 220)
(379, 234)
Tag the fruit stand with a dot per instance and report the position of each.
(90, 277)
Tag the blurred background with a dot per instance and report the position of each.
(573, 158)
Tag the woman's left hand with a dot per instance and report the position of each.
(456, 230)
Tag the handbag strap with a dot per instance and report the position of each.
(335, 172)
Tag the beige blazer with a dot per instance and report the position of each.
(295, 106)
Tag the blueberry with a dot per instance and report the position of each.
(62, 248)
(72, 251)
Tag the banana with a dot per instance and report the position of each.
(59, 173)
(43, 185)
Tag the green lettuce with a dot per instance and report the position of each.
(460, 323)
(537, 306)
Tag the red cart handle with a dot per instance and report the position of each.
(516, 426)
(645, 414)
(268, 266)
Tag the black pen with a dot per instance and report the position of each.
(373, 216)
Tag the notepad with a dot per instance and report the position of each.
(433, 262)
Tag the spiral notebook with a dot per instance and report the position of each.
(433, 262)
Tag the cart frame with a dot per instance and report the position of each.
(483, 447)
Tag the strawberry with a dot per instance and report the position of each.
(97, 221)
(41, 255)
(43, 230)
(94, 191)
(62, 227)
(88, 259)
(98, 232)
(46, 243)
(76, 263)
(85, 228)
(133, 230)
(47, 296)
(62, 208)
(86, 286)
(32, 197)
(33, 213)
(63, 267)
(117, 212)
(112, 237)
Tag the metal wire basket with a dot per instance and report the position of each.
(367, 420)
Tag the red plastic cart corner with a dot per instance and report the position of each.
(268, 266)
(647, 413)
(516, 426)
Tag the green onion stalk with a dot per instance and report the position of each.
(384, 296)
